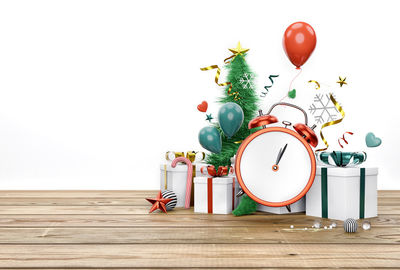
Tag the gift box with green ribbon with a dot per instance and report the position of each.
(341, 193)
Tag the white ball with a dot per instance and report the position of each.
(317, 224)
(366, 225)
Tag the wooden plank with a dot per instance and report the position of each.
(76, 193)
(52, 201)
(388, 193)
(118, 201)
(113, 193)
(200, 255)
(193, 268)
(121, 210)
(181, 235)
(82, 210)
(190, 221)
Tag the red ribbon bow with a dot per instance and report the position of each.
(222, 170)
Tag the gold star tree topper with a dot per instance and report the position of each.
(341, 81)
(239, 50)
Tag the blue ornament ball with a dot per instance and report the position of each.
(168, 194)
(350, 225)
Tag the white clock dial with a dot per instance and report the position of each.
(292, 175)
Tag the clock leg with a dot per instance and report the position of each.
(240, 193)
(288, 208)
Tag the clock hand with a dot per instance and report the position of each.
(279, 156)
(281, 152)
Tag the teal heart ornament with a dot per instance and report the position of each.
(210, 139)
(372, 141)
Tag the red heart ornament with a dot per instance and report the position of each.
(203, 106)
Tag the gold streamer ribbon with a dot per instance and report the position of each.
(331, 123)
(230, 92)
(230, 57)
(317, 83)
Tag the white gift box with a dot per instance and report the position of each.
(223, 195)
(175, 179)
(342, 193)
(297, 207)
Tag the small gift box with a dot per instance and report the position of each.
(215, 193)
(175, 178)
(341, 193)
(297, 207)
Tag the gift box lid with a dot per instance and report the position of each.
(346, 171)
(225, 180)
(180, 167)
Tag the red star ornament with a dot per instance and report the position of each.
(158, 203)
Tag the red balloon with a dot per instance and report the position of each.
(299, 42)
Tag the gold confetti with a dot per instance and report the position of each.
(318, 86)
(341, 81)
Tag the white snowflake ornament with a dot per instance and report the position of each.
(323, 109)
(246, 80)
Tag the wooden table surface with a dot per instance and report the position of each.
(113, 230)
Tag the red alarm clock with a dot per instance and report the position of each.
(275, 166)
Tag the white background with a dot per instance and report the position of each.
(92, 93)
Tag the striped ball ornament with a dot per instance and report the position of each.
(167, 194)
(350, 225)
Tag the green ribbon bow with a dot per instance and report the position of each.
(342, 159)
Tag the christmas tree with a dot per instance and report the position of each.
(241, 91)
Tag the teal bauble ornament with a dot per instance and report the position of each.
(230, 118)
(210, 139)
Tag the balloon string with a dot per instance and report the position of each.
(290, 86)
(291, 83)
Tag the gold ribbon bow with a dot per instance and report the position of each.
(190, 155)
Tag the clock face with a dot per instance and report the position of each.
(270, 175)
